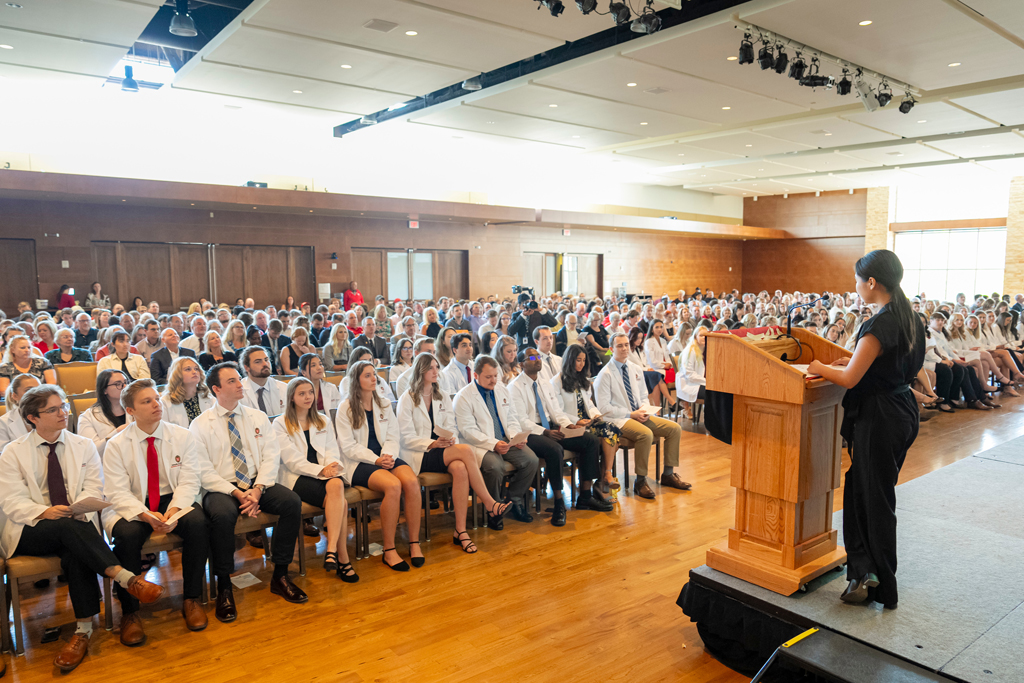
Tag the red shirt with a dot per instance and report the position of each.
(42, 347)
(352, 298)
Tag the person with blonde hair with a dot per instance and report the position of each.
(215, 352)
(383, 322)
(186, 395)
(19, 359)
(421, 410)
(311, 467)
(234, 337)
(505, 351)
(46, 331)
(327, 396)
(12, 424)
(337, 349)
(430, 326)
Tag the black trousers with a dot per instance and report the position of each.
(944, 376)
(83, 554)
(970, 385)
(131, 535)
(586, 447)
(223, 511)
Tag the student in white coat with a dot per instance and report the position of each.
(239, 459)
(311, 467)
(402, 357)
(106, 417)
(690, 381)
(656, 351)
(368, 435)
(422, 345)
(458, 374)
(12, 425)
(186, 395)
(261, 391)
(621, 398)
(421, 409)
(151, 472)
(41, 475)
(486, 418)
(383, 388)
(328, 397)
(550, 363)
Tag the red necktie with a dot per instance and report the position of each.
(469, 375)
(153, 468)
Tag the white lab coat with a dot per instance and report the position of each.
(21, 498)
(690, 377)
(452, 378)
(383, 388)
(526, 405)
(402, 384)
(274, 396)
(397, 371)
(136, 364)
(353, 441)
(546, 374)
(175, 414)
(568, 399)
(414, 426)
(611, 392)
(126, 477)
(12, 426)
(332, 397)
(294, 462)
(474, 419)
(657, 354)
(213, 445)
(963, 347)
(93, 424)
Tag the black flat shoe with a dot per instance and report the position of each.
(417, 561)
(400, 567)
(857, 591)
(347, 573)
(558, 517)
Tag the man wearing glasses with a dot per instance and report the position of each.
(41, 475)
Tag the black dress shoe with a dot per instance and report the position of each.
(558, 516)
(309, 529)
(857, 591)
(594, 503)
(255, 539)
(495, 523)
(284, 587)
(226, 611)
(519, 513)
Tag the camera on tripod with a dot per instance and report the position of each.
(519, 289)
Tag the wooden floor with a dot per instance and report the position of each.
(593, 600)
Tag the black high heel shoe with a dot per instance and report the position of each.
(417, 561)
(344, 575)
(498, 510)
(857, 591)
(467, 545)
(331, 561)
(400, 567)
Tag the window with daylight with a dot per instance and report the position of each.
(943, 263)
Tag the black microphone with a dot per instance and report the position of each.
(789, 321)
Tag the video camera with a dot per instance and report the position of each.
(519, 289)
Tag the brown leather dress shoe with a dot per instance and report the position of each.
(225, 609)
(674, 481)
(309, 529)
(287, 590)
(643, 489)
(132, 634)
(72, 654)
(195, 615)
(145, 591)
(255, 539)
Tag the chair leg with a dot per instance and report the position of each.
(572, 480)
(19, 635)
(426, 513)
(5, 624)
(206, 590)
(300, 547)
(108, 605)
(536, 487)
(366, 529)
(657, 460)
(266, 543)
(625, 467)
(473, 502)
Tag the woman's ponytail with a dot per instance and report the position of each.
(885, 267)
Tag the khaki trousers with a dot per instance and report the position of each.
(643, 435)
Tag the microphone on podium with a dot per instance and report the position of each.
(789, 324)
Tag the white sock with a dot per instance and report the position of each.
(84, 626)
(669, 470)
(123, 577)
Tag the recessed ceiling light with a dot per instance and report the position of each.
(682, 155)
(553, 106)
(411, 33)
(490, 122)
(643, 123)
(827, 134)
(297, 92)
(955, 64)
(865, 23)
(575, 137)
(631, 85)
(193, 203)
(923, 121)
(14, 5)
(6, 47)
(726, 108)
(703, 175)
(346, 66)
(749, 145)
(760, 169)
(731, 59)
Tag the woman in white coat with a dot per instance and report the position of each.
(12, 425)
(368, 435)
(690, 380)
(186, 396)
(106, 417)
(311, 467)
(383, 388)
(328, 397)
(423, 409)
(573, 386)
(656, 351)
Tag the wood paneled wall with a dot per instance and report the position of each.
(811, 265)
(804, 215)
(18, 268)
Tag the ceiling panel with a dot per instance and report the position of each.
(966, 172)
(291, 54)
(937, 118)
(260, 85)
(512, 125)
(748, 145)
(824, 162)
(676, 154)
(1006, 107)
(830, 132)
(570, 25)
(984, 146)
(757, 169)
(898, 155)
(700, 176)
(686, 95)
(1010, 167)
(534, 100)
(912, 40)
(50, 52)
(104, 21)
(1006, 13)
(442, 37)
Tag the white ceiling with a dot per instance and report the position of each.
(713, 125)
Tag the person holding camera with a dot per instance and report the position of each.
(528, 318)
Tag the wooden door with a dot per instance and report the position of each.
(190, 274)
(231, 280)
(451, 274)
(368, 272)
(18, 264)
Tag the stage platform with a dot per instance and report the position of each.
(961, 582)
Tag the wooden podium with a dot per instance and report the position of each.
(786, 461)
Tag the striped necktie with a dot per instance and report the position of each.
(629, 388)
(237, 455)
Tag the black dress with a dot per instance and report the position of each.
(880, 422)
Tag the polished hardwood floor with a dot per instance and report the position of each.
(593, 600)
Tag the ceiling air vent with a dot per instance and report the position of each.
(380, 25)
(656, 91)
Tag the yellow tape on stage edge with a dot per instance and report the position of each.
(797, 639)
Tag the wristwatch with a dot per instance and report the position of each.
(261, 487)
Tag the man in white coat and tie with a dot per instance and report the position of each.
(458, 374)
(151, 472)
(486, 418)
(41, 475)
(239, 457)
(621, 398)
(550, 363)
(262, 392)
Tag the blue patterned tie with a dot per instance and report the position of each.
(629, 389)
(237, 456)
(540, 409)
(492, 408)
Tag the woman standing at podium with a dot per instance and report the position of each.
(880, 423)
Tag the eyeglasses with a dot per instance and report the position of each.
(63, 407)
(118, 385)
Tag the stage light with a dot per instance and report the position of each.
(129, 84)
(586, 6)
(797, 68)
(884, 94)
(907, 104)
(620, 13)
(844, 86)
(181, 23)
(472, 83)
(818, 81)
(746, 50)
(865, 95)
(766, 58)
(781, 61)
(647, 22)
(554, 6)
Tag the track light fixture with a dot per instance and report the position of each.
(746, 50)
(620, 13)
(647, 22)
(815, 80)
(554, 6)
(907, 104)
(472, 83)
(586, 6)
(181, 23)
(797, 68)
(884, 94)
(766, 56)
(129, 84)
(781, 60)
(844, 86)
(865, 94)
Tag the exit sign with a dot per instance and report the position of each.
(413, 225)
